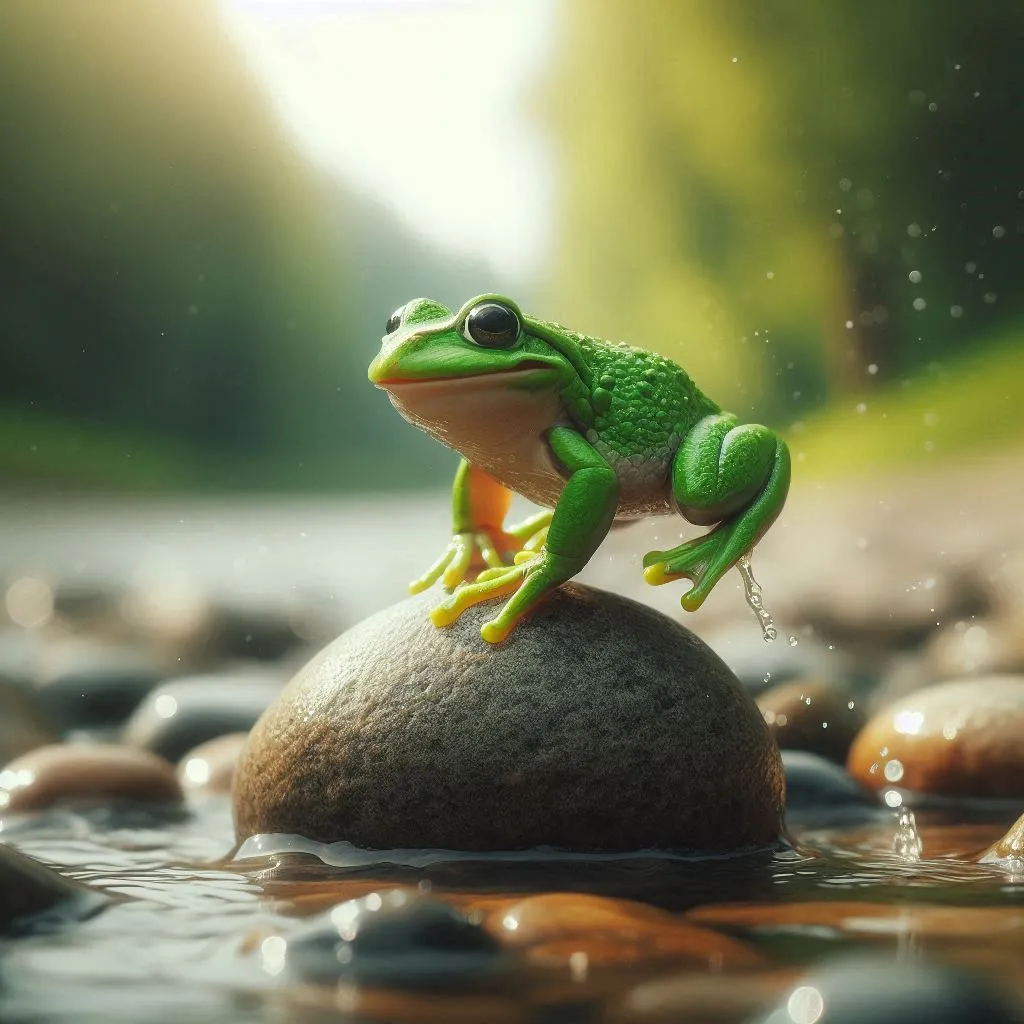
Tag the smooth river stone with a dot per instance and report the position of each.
(601, 725)
(821, 718)
(573, 928)
(85, 771)
(961, 738)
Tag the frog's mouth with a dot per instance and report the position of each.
(530, 368)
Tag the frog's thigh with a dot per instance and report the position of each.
(720, 467)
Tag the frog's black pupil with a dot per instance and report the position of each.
(394, 321)
(493, 325)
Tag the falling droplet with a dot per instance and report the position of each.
(752, 590)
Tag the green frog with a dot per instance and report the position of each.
(594, 432)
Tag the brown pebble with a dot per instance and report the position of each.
(822, 718)
(210, 767)
(579, 928)
(876, 921)
(960, 738)
(85, 771)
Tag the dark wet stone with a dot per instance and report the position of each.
(602, 725)
(85, 771)
(957, 739)
(180, 714)
(397, 939)
(88, 684)
(23, 724)
(29, 889)
(870, 989)
(819, 788)
(822, 718)
(210, 767)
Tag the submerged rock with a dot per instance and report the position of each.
(559, 928)
(396, 939)
(28, 889)
(859, 988)
(601, 725)
(961, 738)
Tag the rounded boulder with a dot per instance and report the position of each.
(601, 725)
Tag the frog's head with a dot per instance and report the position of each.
(453, 374)
(424, 341)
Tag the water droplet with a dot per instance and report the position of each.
(971, 267)
(919, 304)
(793, 641)
(872, 368)
(906, 843)
(956, 312)
(915, 276)
(753, 593)
(998, 231)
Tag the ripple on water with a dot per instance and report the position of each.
(178, 942)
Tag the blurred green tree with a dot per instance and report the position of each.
(172, 269)
(795, 200)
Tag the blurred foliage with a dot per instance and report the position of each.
(760, 191)
(970, 407)
(743, 181)
(182, 300)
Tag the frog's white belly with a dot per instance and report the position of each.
(500, 428)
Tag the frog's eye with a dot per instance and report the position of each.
(492, 325)
(394, 321)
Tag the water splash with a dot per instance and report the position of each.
(906, 843)
(752, 591)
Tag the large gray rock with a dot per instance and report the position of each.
(601, 725)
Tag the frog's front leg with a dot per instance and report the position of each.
(479, 507)
(579, 523)
(737, 476)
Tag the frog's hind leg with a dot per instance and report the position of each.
(735, 476)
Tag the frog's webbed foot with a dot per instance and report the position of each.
(532, 575)
(466, 553)
(690, 561)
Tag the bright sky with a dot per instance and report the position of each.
(422, 102)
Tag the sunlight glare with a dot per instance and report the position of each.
(421, 104)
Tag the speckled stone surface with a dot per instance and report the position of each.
(601, 725)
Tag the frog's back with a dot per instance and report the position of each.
(652, 405)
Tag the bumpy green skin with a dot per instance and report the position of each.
(627, 429)
(641, 404)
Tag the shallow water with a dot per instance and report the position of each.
(182, 941)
